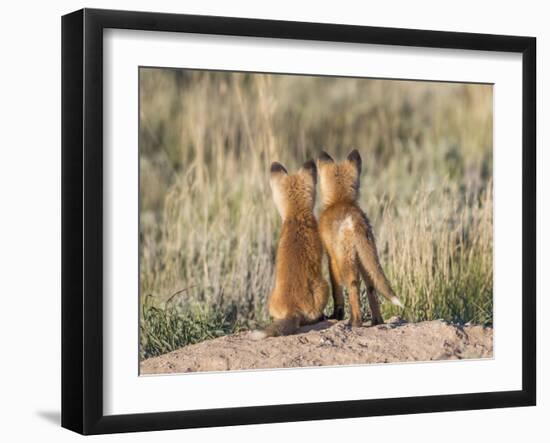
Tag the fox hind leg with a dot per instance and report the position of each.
(372, 297)
(355, 302)
(377, 318)
(374, 304)
(320, 296)
(353, 285)
(337, 291)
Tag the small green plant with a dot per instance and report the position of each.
(169, 327)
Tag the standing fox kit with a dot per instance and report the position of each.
(349, 240)
(301, 292)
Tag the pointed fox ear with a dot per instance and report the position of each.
(277, 168)
(324, 158)
(355, 158)
(278, 171)
(310, 169)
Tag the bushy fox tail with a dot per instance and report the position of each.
(368, 256)
(284, 326)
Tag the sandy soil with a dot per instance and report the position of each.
(330, 343)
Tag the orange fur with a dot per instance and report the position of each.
(300, 293)
(349, 240)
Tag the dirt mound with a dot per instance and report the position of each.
(330, 343)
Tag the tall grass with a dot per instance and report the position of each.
(208, 226)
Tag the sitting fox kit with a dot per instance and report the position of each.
(349, 240)
(300, 293)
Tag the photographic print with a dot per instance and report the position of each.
(289, 204)
(292, 221)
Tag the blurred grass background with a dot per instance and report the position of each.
(208, 226)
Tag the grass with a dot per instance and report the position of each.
(208, 226)
(169, 327)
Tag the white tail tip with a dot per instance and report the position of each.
(397, 302)
(257, 335)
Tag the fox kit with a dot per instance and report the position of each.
(349, 240)
(300, 293)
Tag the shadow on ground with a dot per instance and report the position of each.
(54, 417)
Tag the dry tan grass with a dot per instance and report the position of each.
(208, 224)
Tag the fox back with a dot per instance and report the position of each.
(300, 290)
(348, 237)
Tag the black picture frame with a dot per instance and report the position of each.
(82, 220)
